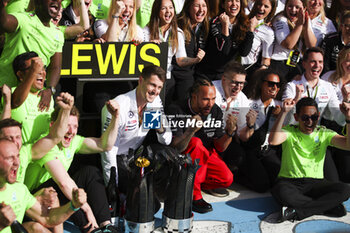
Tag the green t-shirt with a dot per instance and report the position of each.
(19, 198)
(25, 157)
(303, 154)
(34, 122)
(144, 13)
(17, 6)
(37, 174)
(100, 8)
(30, 35)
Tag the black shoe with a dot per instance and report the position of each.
(288, 214)
(201, 206)
(219, 192)
(338, 211)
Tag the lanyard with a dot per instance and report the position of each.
(259, 25)
(308, 93)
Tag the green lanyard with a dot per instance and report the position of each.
(259, 25)
(308, 93)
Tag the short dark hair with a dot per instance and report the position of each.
(306, 101)
(73, 112)
(234, 67)
(9, 122)
(19, 62)
(199, 83)
(150, 70)
(312, 50)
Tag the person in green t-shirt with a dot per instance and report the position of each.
(16, 201)
(52, 169)
(30, 72)
(301, 189)
(11, 129)
(32, 31)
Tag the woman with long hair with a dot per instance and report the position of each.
(293, 35)
(120, 25)
(260, 163)
(231, 35)
(264, 36)
(194, 22)
(163, 27)
(320, 24)
(340, 79)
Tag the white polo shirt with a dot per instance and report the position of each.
(179, 52)
(130, 133)
(264, 37)
(323, 93)
(321, 29)
(281, 29)
(239, 107)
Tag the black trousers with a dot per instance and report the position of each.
(309, 196)
(90, 179)
(252, 169)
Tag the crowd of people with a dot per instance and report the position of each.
(257, 91)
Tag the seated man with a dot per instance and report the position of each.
(301, 188)
(52, 171)
(16, 201)
(198, 129)
(31, 74)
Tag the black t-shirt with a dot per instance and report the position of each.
(180, 115)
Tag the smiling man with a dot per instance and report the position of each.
(131, 133)
(203, 139)
(301, 189)
(31, 74)
(32, 31)
(310, 85)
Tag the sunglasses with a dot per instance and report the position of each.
(236, 83)
(272, 84)
(312, 117)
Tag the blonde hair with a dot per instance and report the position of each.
(132, 30)
(339, 72)
(322, 12)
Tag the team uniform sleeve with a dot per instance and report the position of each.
(246, 45)
(165, 138)
(181, 50)
(333, 106)
(109, 158)
(21, 18)
(281, 29)
(219, 132)
(217, 41)
(100, 28)
(29, 199)
(267, 43)
(289, 92)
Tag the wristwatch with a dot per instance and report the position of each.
(53, 90)
(251, 126)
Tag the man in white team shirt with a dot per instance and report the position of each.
(310, 85)
(232, 100)
(131, 133)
